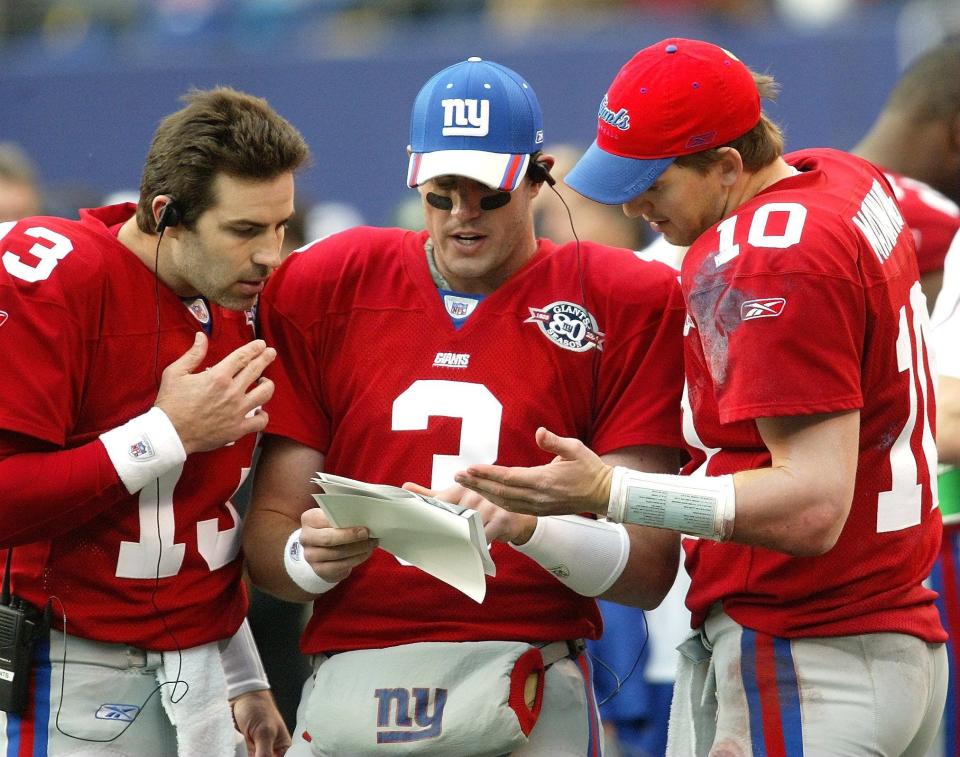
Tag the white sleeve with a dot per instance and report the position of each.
(241, 664)
(946, 315)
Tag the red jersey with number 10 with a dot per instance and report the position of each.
(807, 300)
(87, 333)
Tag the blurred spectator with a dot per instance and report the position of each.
(19, 189)
(917, 135)
(326, 218)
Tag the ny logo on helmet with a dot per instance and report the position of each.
(466, 118)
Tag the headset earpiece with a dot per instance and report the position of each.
(169, 216)
(538, 172)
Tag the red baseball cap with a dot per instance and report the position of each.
(676, 97)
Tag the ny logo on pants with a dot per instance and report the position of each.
(406, 726)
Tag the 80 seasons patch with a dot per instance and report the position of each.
(568, 325)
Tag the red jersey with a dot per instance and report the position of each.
(372, 373)
(807, 300)
(87, 334)
(933, 218)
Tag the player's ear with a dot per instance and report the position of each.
(729, 166)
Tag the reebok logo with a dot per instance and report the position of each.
(465, 118)
(768, 307)
(400, 728)
(451, 360)
(701, 140)
(122, 712)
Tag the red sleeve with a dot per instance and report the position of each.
(641, 378)
(47, 493)
(295, 407)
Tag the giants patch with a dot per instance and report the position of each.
(568, 325)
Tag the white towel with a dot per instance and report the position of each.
(693, 711)
(200, 713)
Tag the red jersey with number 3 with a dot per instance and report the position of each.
(807, 300)
(80, 357)
(933, 218)
(376, 377)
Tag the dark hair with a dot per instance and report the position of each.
(759, 147)
(929, 90)
(220, 131)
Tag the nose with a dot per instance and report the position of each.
(466, 204)
(268, 254)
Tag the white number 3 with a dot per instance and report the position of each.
(48, 255)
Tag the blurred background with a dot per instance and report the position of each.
(84, 82)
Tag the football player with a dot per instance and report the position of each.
(808, 412)
(129, 402)
(406, 355)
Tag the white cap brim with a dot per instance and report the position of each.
(501, 171)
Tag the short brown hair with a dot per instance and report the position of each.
(759, 147)
(220, 131)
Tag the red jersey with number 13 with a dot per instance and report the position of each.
(89, 331)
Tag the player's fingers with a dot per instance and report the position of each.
(253, 423)
(493, 490)
(268, 740)
(190, 359)
(333, 537)
(564, 447)
(313, 518)
(336, 566)
(262, 743)
(282, 742)
(258, 395)
(240, 357)
(410, 486)
(251, 371)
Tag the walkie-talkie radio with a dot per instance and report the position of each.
(21, 624)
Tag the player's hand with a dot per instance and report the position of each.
(259, 720)
(498, 524)
(333, 552)
(221, 404)
(574, 482)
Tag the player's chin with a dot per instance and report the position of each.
(235, 300)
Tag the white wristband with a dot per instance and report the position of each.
(241, 663)
(585, 555)
(144, 448)
(700, 506)
(299, 569)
